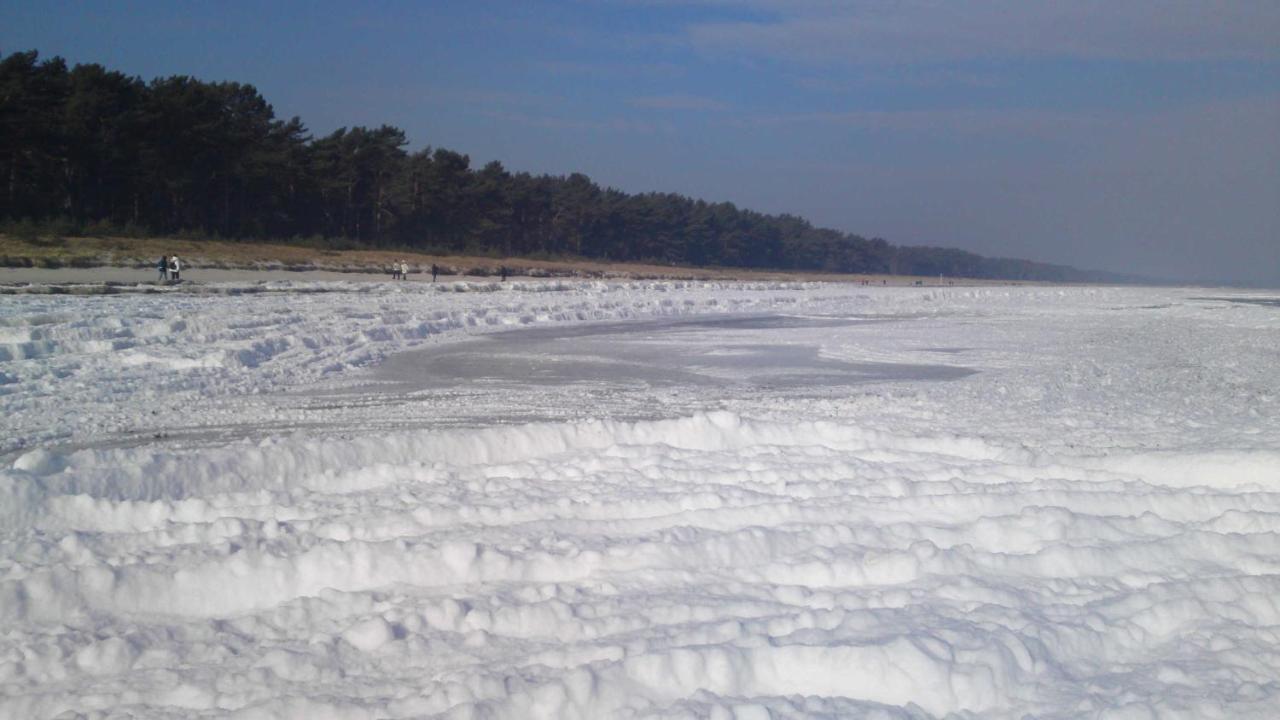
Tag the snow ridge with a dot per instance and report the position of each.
(516, 545)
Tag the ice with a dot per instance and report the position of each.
(648, 500)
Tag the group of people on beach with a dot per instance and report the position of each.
(170, 268)
(400, 270)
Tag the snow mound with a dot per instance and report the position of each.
(603, 568)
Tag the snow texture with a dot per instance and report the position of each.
(654, 500)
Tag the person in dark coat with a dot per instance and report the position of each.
(163, 267)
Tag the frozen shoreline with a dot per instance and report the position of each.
(1080, 520)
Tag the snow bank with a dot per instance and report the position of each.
(637, 566)
(1087, 527)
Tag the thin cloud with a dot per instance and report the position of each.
(503, 98)
(959, 121)
(678, 102)
(595, 69)
(922, 31)
(611, 125)
(900, 76)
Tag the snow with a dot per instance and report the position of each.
(640, 500)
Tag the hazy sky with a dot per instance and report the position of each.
(1128, 136)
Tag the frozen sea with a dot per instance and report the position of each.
(640, 500)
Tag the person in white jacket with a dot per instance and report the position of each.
(175, 267)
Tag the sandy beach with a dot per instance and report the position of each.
(71, 276)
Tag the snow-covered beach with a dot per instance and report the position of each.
(571, 499)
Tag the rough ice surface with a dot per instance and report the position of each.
(655, 500)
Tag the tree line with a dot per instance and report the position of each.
(107, 153)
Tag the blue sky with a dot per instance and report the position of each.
(1128, 136)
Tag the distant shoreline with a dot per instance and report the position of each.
(132, 260)
(110, 280)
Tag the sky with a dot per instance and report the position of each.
(1138, 137)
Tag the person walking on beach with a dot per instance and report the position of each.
(504, 273)
(404, 270)
(163, 267)
(434, 272)
(175, 269)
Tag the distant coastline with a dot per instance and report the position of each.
(129, 261)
